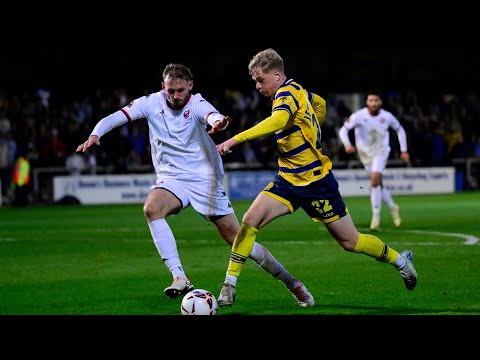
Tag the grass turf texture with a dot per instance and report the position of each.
(101, 260)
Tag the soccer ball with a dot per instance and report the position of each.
(199, 302)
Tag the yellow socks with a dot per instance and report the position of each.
(372, 246)
(241, 248)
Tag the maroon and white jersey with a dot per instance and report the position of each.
(372, 137)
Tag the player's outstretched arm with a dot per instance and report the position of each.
(343, 134)
(92, 140)
(219, 125)
(227, 146)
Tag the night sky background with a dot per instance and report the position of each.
(78, 67)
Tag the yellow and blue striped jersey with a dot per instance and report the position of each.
(296, 119)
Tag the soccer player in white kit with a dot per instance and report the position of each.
(372, 142)
(189, 171)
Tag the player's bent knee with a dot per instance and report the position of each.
(153, 212)
(347, 244)
(148, 211)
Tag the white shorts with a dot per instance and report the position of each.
(207, 197)
(378, 164)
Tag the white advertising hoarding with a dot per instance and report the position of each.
(104, 189)
(245, 185)
(438, 180)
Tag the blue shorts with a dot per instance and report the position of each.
(321, 199)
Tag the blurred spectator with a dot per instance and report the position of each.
(5, 125)
(4, 168)
(76, 163)
(53, 151)
(343, 110)
(44, 96)
(137, 141)
(12, 153)
(454, 141)
(439, 148)
(477, 147)
(133, 159)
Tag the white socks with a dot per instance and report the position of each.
(387, 198)
(376, 200)
(266, 261)
(166, 246)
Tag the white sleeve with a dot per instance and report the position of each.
(207, 112)
(402, 138)
(402, 135)
(343, 134)
(109, 122)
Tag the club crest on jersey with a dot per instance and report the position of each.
(186, 113)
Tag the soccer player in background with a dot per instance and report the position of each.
(189, 172)
(372, 142)
(304, 178)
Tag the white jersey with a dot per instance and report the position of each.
(180, 145)
(372, 137)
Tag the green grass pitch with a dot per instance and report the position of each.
(100, 260)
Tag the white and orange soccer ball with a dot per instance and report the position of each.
(199, 302)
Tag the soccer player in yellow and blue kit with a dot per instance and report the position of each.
(304, 180)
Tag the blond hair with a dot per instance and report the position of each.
(266, 60)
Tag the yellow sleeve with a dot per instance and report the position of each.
(273, 123)
(319, 106)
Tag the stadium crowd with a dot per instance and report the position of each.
(46, 127)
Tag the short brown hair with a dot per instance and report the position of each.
(177, 72)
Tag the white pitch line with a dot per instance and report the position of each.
(423, 243)
(470, 239)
